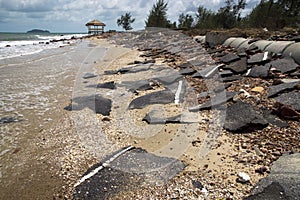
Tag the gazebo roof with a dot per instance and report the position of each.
(95, 22)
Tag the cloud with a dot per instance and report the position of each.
(62, 14)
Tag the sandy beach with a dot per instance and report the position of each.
(47, 162)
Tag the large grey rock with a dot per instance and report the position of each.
(207, 72)
(89, 75)
(259, 58)
(167, 80)
(242, 117)
(276, 89)
(216, 38)
(261, 71)
(291, 98)
(231, 57)
(97, 103)
(187, 71)
(285, 65)
(160, 97)
(283, 182)
(126, 171)
(238, 67)
(214, 102)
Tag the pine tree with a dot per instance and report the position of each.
(185, 21)
(125, 21)
(158, 15)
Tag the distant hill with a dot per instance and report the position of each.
(38, 31)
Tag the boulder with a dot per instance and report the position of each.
(259, 58)
(96, 103)
(238, 67)
(292, 99)
(285, 65)
(231, 57)
(160, 97)
(261, 71)
(216, 38)
(241, 116)
(125, 170)
(277, 89)
(214, 102)
(283, 181)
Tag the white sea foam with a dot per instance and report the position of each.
(15, 48)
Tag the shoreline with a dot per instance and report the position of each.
(70, 153)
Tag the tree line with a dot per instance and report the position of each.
(271, 14)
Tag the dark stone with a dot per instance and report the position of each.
(231, 78)
(187, 71)
(283, 181)
(214, 102)
(207, 72)
(98, 104)
(108, 85)
(217, 55)
(238, 67)
(242, 117)
(160, 97)
(241, 52)
(258, 59)
(212, 51)
(286, 111)
(291, 99)
(231, 57)
(141, 85)
(89, 75)
(131, 170)
(149, 61)
(185, 65)
(197, 184)
(259, 71)
(198, 63)
(271, 192)
(150, 118)
(225, 73)
(214, 38)
(134, 69)
(276, 89)
(272, 119)
(284, 65)
(167, 80)
(6, 120)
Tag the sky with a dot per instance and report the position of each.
(72, 15)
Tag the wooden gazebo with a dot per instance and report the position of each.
(95, 27)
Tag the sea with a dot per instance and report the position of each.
(19, 44)
(37, 74)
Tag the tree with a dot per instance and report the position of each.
(205, 18)
(158, 15)
(125, 21)
(185, 21)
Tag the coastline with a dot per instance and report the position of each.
(61, 152)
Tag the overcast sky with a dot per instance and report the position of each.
(71, 15)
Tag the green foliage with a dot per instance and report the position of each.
(275, 15)
(185, 21)
(158, 15)
(227, 17)
(125, 21)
